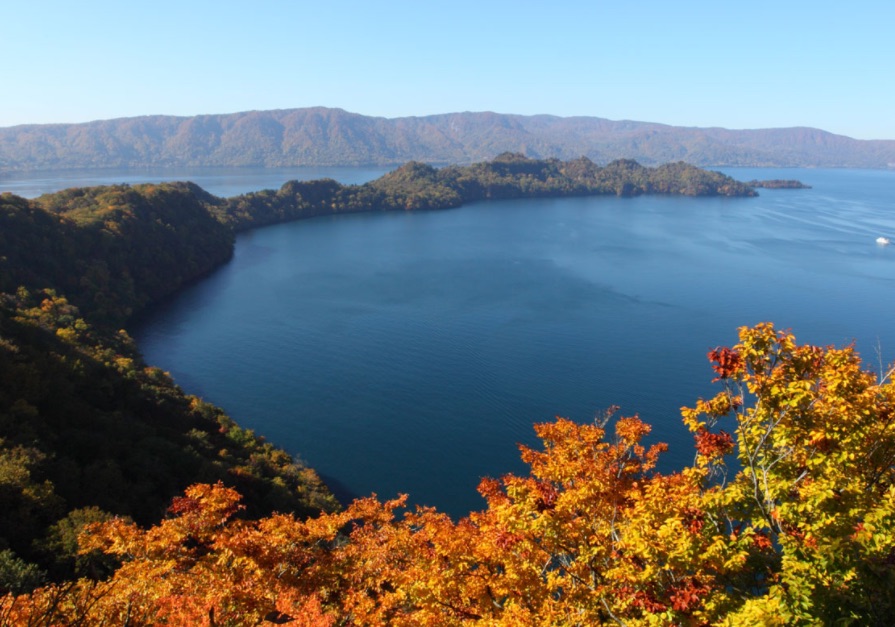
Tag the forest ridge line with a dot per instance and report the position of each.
(322, 136)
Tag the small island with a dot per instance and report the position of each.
(778, 184)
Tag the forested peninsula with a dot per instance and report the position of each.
(179, 502)
(416, 186)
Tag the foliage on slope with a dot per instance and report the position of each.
(86, 428)
(801, 530)
(112, 250)
(84, 423)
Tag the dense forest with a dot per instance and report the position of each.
(324, 136)
(125, 500)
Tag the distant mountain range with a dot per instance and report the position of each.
(323, 136)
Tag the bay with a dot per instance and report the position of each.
(411, 352)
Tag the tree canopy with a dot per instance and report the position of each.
(786, 516)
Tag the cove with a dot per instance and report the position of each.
(411, 352)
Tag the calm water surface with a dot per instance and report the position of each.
(412, 352)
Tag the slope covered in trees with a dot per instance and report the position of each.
(88, 430)
(322, 136)
(112, 250)
(786, 517)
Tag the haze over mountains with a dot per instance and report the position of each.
(323, 136)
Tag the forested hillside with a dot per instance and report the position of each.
(113, 250)
(321, 136)
(87, 429)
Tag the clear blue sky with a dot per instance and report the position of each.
(756, 64)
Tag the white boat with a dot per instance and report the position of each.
(883, 241)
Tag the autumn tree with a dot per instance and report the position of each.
(815, 442)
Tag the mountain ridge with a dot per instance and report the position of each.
(319, 136)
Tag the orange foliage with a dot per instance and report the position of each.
(592, 535)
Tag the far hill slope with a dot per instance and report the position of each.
(322, 136)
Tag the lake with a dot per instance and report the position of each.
(411, 352)
(220, 181)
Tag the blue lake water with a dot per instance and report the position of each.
(411, 352)
(220, 181)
